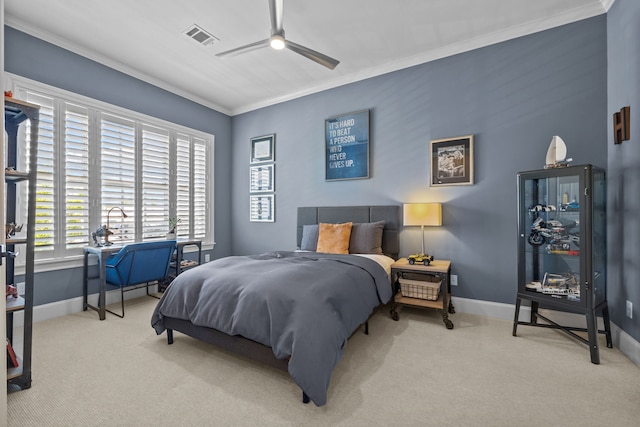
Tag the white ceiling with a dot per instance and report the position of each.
(145, 38)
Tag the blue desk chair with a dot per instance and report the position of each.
(140, 265)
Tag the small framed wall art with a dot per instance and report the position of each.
(452, 161)
(347, 146)
(262, 148)
(261, 178)
(262, 208)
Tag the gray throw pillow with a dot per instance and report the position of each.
(309, 237)
(366, 238)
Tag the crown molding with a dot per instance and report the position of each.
(110, 62)
(514, 32)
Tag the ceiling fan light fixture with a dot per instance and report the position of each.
(277, 42)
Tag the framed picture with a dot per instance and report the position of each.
(347, 146)
(261, 178)
(262, 208)
(262, 148)
(452, 161)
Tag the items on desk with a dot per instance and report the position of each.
(102, 233)
(101, 236)
(173, 225)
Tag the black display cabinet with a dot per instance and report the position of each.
(562, 249)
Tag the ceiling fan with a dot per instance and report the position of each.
(278, 42)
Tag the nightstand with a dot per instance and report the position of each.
(440, 270)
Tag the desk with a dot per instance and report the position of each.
(103, 253)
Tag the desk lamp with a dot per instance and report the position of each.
(106, 237)
(422, 214)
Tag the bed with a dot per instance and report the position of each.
(293, 310)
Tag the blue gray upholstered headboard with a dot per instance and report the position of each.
(336, 214)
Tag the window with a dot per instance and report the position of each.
(99, 164)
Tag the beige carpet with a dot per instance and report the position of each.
(413, 372)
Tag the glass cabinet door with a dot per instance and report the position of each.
(562, 240)
(599, 238)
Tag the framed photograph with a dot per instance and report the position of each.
(261, 178)
(262, 148)
(347, 146)
(262, 208)
(452, 161)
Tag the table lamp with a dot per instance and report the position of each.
(422, 214)
(106, 237)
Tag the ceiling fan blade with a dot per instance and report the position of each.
(244, 49)
(311, 54)
(275, 9)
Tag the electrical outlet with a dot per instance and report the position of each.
(207, 257)
(454, 280)
(629, 309)
(20, 286)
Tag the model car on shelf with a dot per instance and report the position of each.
(570, 207)
(420, 259)
(542, 208)
(554, 232)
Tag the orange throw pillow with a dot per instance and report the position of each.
(334, 238)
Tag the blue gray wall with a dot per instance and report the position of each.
(513, 96)
(623, 35)
(35, 59)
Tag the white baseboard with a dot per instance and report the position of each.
(74, 305)
(623, 341)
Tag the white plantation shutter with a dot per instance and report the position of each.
(117, 173)
(200, 188)
(183, 184)
(45, 188)
(93, 160)
(76, 177)
(155, 182)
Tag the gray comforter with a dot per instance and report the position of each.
(302, 305)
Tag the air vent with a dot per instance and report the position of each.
(200, 35)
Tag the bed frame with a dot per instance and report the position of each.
(306, 216)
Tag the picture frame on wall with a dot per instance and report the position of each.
(262, 148)
(347, 146)
(262, 178)
(452, 161)
(262, 208)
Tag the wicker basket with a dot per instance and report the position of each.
(422, 289)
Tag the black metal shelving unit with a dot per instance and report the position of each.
(16, 113)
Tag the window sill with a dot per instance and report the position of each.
(77, 261)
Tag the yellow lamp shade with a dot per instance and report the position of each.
(426, 214)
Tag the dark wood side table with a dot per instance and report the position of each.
(438, 268)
